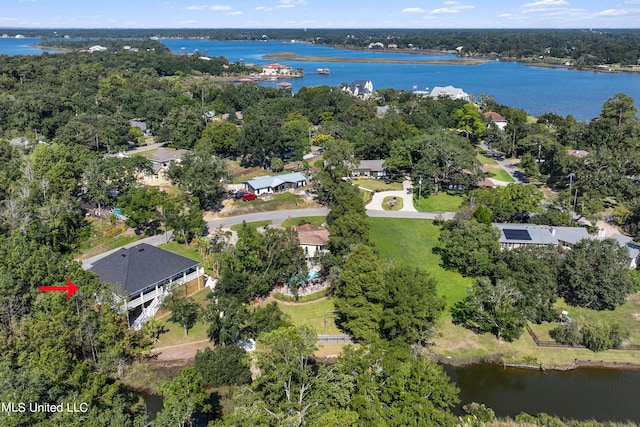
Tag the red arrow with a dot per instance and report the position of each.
(70, 288)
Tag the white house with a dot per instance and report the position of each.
(449, 92)
(275, 184)
(360, 88)
(496, 118)
(274, 69)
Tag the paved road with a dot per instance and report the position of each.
(506, 165)
(276, 218)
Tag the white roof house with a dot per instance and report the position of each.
(97, 48)
(275, 184)
(449, 92)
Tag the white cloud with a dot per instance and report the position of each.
(443, 10)
(545, 3)
(612, 12)
(8, 19)
(191, 21)
(413, 10)
(285, 6)
(263, 8)
(215, 7)
(234, 13)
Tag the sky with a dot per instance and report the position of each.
(320, 14)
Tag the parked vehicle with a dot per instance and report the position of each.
(249, 196)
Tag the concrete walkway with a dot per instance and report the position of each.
(406, 195)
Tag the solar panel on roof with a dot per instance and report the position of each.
(512, 234)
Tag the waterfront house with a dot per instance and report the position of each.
(147, 275)
(275, 184)
(360, 88)
(275, 69)
(449, 92)
(517, 235)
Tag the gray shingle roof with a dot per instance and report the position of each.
(140, 266)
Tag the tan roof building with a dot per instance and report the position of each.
(312, 239)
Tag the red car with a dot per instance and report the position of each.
(248, 196)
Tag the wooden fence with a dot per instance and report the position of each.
(546, 343)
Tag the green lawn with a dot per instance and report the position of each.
(396, 207)
(377, 184)
(315, 220)
(410, 242)
(500, 175)
(314, 314)
(181, 249)
(442, 202)
(484, 159)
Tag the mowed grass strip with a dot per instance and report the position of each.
(318, 314)
(442, 202)
(500, 175)
(410, 242)
(315, 220)
(377, 184)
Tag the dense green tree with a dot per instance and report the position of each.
(493, 308)
(471, 122)
(469, 247)
(360, 294)
(595, 274)
(184, 217)
(284, 357)
(201, 175)
(267, 318)
(534, 273)
(219, 137)
(507, 203)
(182, 397)
(411, 306)
(223, 365)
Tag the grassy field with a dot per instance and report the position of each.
(105, 236)
(500, 175)
(174, 334)
(396, 207)
(442, 202)
(377, 184)
(411, 242)
(315, 220)
(314, 314)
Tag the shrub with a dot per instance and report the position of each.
(223, 365)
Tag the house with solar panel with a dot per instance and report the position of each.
(275, 184)
(518, 235)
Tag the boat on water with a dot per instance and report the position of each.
(323, 71)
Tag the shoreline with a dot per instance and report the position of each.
(292, 56)
(496, 359)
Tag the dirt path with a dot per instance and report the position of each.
(186, 351)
